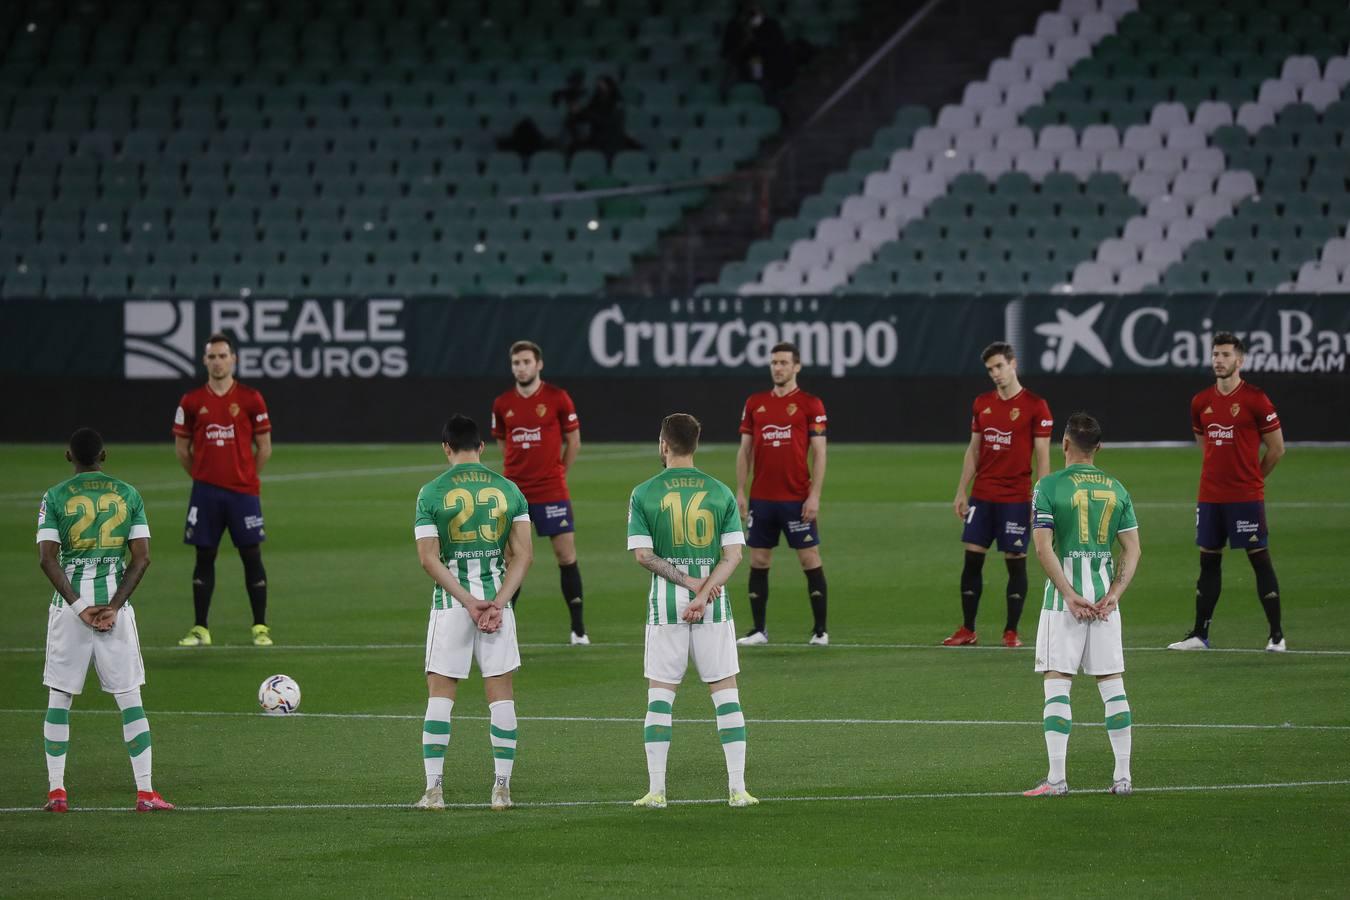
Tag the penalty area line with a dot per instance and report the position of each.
(710, 801)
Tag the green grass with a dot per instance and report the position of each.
(936, 727)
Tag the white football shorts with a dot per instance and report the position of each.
(71, 645)
(454, 642)
(1064, 644)
(712, 646)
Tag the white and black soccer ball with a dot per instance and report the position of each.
(279, 695)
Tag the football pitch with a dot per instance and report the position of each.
(885, 763)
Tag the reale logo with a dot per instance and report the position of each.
(159, 338)
(1070, 332)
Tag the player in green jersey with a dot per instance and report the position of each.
(684, 528)
(87, 525)
(1078, 515)
(464, 523)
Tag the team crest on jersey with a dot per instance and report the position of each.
(1013, 414)
(234, 410)
(203, 411)
(1235, 408)
(792, 409)
(540, 410)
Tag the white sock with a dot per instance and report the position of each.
(436, 738)
(136, 732)
(56, 737)
(1118, 722)
(1058, 719)
(502, 730)
(731, 729)
(656, 733)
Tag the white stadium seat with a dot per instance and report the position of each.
(1051, 26)
(1124, 163)
(1022, 96)
(1277, 92)
(1141, 138)
(1079, 163)
(1184, 232)
(1161, 254)
(1208, 210)
(779, 276)
(877, 232)
(1316, 278)
(926, 186)
(823, 279)
(1136, 277)
(1337, 251)
(1254, 116)
(1166, 208)
(1299, 70)
(1076, 9)
(993, 163)
(1116, 252)
(1093, 278)
(1100, 138)
(1169, 115)
(832, 231)
(908, 162)
(1070, 50)
(955, 118)
(1205, 159)
(952, 163)
(1236, 185)
(1337, 71)
(1320, 94)
(997, 118)
(1036, 163)
(1007, 72)
(1015, 139)
(905, 209)
(1030, 49)
(851, 256)
(933, 140)
(1047, 73)
(884, 185)
(1210, 114)
(1094, 27)
(980, 95)
(1119, 8)
(1185, 137)
(974, 140)
(1167, 162)
(1146, 185)
(861, 209)
(806, 253)
(1142, 230)
(1193, 185)
(1057, 137)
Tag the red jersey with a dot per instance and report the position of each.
(1232, 425)
(533, 429)
(1009, 427)
(780, 429)
(222, 428)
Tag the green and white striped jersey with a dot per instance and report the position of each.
(686, 517)
(470, 508)
(92, 516)
(1086, 508)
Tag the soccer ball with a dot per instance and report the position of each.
(279, 695)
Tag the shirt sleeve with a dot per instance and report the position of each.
(140, 525)
(520, 507)
(424, 519)
(1043, 515)
(498, 432)
(732, 533)
(1197, 426)
(817, 424)
(262, 421)
(747, 423)
(1045, 422)
(183, 419)
(48, 528)
(567, 413)
(639, 531)
(1267, 419)
(1128, 522)
(974, 417)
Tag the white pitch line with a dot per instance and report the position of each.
(709, 801)
(632, 720)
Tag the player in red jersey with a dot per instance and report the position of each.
(223, 437)
(1009, 427)
(1232, 421)
(537, 429)
(778, 426)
